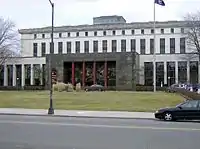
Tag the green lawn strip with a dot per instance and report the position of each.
(102, 101)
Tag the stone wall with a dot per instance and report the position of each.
(124, 65)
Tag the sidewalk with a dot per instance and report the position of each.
(78, 113)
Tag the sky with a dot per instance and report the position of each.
(37, 13)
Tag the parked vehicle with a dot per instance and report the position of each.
(95, 87)
(188, 110)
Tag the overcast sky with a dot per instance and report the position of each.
(37, 13)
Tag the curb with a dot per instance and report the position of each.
(68, 116)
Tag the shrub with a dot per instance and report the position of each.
(60, 86)
(70, 87)
(10, 88)
(149, 88)
(34, 87)
(187, 94)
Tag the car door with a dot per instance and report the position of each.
(189, 110)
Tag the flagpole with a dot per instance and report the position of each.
(154, 53)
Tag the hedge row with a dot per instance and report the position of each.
(187, 94)
(41, 87)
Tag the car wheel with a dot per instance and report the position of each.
(86, 90)
(168, 116)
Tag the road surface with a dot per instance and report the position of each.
(29, 132)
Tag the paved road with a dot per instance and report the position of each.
(23, 132)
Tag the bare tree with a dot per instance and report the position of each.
(193, 34)
(9, 41)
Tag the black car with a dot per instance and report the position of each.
(188, 110)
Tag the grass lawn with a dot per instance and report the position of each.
(118, 101)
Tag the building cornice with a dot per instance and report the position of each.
(78, 28)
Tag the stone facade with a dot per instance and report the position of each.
(125, 63)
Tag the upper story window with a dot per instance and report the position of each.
(152, 31)
(43, 45)
(68, 34)
(86, 46)
(123, 45)
(133, 44)
(104, 46)
(133, 32)
(114, 45)
(77, 44)
(123, 32)
(162, 31)
(182, 45)
(60, 35)
(172, 45)
(35, 51)
(182, 30)
(69, 47)
(60, 47)
(142, 46)
(95, 33)
(142, 31)
(114, 32)
(172, 30)
(86, 33)
(95, 46)
(104, 33)
(162, 45)
(35, 36)
(77, 34)
(43, 35)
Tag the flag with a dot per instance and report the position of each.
(160, 2)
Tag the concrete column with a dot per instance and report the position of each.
(5, 75)
(32, 74)
(188, 71)
(14, 75)
(23, 76)
(165, 73)
(94, 72)
(176, 72)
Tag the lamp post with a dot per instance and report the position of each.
(51, 110)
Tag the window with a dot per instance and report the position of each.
(142, 31)
(69, 47)
(123, 32)
(171, 73)
(182, 30)
(172, 45)
(86, 46)
(182, 45)
(77, 46)
(68, 34)
(152, 31)
(123, 45)
(182, 71)
(43, 35)
(60, 47)
(104, 33)
(77, 34)
(190, 104)
(113, 32)
(148, 73)
(159, 73)
(104, 45)
(43, 45)
(194, 72)
(162, 45)
(133, 45)
(86, 33)
(172, 30)
(133, 32)
(95, 46)
(114, 45)
(95, 33)
(162, 31)
(151, 46)
(51, 48)
(35, 36)
(60, 35)
(142, 46)
(34, 49)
